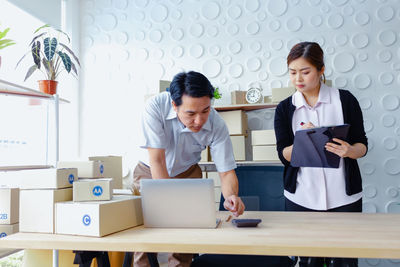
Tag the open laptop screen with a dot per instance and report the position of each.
(178, 203)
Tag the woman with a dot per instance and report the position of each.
(313, 105)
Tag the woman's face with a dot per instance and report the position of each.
(304, 76)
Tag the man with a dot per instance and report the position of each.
(177, 126)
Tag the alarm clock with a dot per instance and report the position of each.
(254, 95)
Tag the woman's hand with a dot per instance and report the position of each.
(342, 148)
(307, 125)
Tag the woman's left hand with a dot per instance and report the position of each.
(342, 149)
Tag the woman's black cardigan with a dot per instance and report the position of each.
(284, 137)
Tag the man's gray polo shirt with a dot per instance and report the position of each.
(162, 129)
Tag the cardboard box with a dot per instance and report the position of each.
(112, 168)
(217, 193)
(205, 155)
(263, 137)
(328, 83)
(92, 189)
(239, 147)
(279, 94)
(6, 230)
(215, 177)
(265, 153)
(37, 208)
(86, 169)
(268, 99)
(236, 121)
(164, 85)
(238, 97)
(39, 178)
(98, 218)
(9, 205)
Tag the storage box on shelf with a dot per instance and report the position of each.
(264, 145)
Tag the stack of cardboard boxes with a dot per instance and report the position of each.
(264, 145)
(236, 121)
(9, 213)
(40, 189)
(94, 209)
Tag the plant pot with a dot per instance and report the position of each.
(48, 86)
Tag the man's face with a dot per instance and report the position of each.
(193, 112)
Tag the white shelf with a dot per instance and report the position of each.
(9, 88)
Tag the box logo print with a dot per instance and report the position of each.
(3, 235)
(86, 220)
(97, 191)
(71, 178)
(101, 168)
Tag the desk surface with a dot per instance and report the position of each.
(280, 233)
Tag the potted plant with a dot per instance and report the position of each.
(5, 42)
(51, 56)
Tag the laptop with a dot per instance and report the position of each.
(178, 203)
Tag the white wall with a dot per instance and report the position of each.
(45, 10)
(127, 46)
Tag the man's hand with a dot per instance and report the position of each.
(234, 204)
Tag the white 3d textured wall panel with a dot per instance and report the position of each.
(128, 46)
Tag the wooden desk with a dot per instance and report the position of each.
(280, 233)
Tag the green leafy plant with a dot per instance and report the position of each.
(5, 42)
(50, 55)
(217, 95)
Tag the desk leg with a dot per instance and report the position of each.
(55, 258)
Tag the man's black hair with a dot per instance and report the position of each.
(193, 84)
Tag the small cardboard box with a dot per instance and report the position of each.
(265, 153)
(328, 83)
(98, 218)
(37, 209)
(217, 193)
(112, 168)
(40, 178)
(86, 169)
(279, 94)
(6, 230)
(164, 85)
(9, 205)
(215, 177)
(238, 97)
(205, 155)
(92, 189)
(263, 137)
(236, 121)
(239, 147)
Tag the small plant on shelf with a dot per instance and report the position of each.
(217, 94)
(51, 55)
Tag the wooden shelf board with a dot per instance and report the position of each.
(245, 107)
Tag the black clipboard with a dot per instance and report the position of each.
(309, 146)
